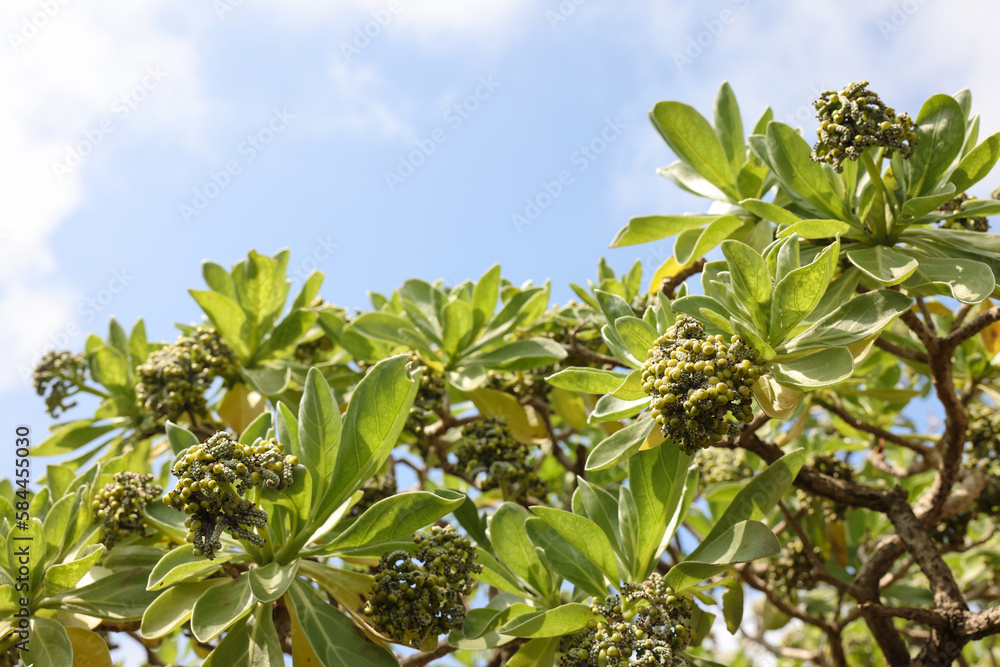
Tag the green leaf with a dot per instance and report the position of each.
(732, 607)
(757, 498)
(173, 607)
(218, 279)
(918, 207)
(977, 164)
(638, 336)
(375, 417)
(822, 368)
(966, 280)
(110, 367)
(384, 327)
(694, 141)
(587, 380)
(769, 211)
(268, 583)
(252, 642)
(138, 346)
(49, 645)
(220, 607)
(748, 271)
(620, 445)
(859, 318)
(333, 638)
(600, 507)
(817, 229)
(799, 292)
(319, 434)
(484, 297)
(258, 428)
(180, 438)
(179, 564)
(583, 534)
(521, 355)
(457, 318)
(686, 178)
(261, 290)
(66, 575)
(740, 543)
(397, 517)
(656, 480)
(120, 596)
(694, 243)
(563, 620)
(789, 154)
(648, 228)
(227, 317)
(940, 135)
(881, 263)
(269, 381)
(568, 561)
(729, 126)
(288, 430)
(751, 180)
(510, 540)
(287, 333)
(535, 653)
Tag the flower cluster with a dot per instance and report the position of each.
(313, 351)
(718, 464)
(60, 374)
(646, 626)
(212, 479)
(119, 506)
(695, 381)
(855, 119)
(416, 598)
(172, 382)
(973, 224)
(489, 446)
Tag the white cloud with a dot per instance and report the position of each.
(68, 66)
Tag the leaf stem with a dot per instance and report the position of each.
(881, 228)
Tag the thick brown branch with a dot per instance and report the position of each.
(967, 331)
(421, 659)
(669, 285)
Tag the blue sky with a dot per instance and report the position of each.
(141, 140)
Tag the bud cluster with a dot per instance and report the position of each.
(646, 626)
(719, 464)
(119, 506)
(416, 598)
(313, 351)
(522, 384)
(855, 119)
(984, 440)
(695, 381)
(792, 571)
(173, 381)
(212, 479)
(429, 399)
(61, 374)
(973, 224)
(488, 446)
(951, 532)
(376, 489)
(828, 464)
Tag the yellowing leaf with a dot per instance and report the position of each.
(241, 406)
(837, 534)
(668, 269)
(990, 336)
(653, 440)
(302, 653)
(523, 421)
(570, 407)
(89, 650)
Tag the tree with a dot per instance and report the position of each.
(467, 470)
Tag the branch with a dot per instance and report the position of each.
(901, 351)
(923, 450)
(672, 283)
(963, 333)
(421, 659)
